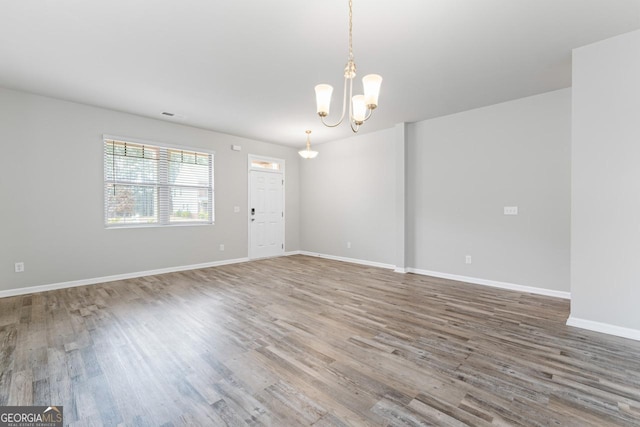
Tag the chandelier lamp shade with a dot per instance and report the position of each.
(308, 153)
(360, 106)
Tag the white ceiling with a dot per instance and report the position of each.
(248, 67)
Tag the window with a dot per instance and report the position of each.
(265, 164)
(153, 185)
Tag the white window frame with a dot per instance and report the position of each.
(164, 216)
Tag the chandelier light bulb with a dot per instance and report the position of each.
(359, 110)
(323, 99)
(371, 84)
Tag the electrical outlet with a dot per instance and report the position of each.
(348, 245)
(222, 246)
(511, 210)
(467, 259)
(19, 266)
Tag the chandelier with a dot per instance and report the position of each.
(308, 153)
(360, 106)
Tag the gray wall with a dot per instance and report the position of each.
(605, 246)
(460, 172)
(51, 181)
(348, 195)
(464, 168)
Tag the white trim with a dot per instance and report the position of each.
(472, 280)
(98, 280)
(492, 283)
(292, 253)
(605, 328)
(351, 260)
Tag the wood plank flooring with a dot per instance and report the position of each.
(302, 341)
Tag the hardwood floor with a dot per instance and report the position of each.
(303, 341)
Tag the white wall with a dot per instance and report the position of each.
(348, 195)
(605, 246)
(464, 168)
(51, 195)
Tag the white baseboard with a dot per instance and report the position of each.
(492, 283)
(605, 328)
(275, 256)
(97, 280)
(473, 280)
(351, 260)
(502, 285)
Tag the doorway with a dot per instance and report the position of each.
(266, 207)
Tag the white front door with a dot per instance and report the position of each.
(266, 214)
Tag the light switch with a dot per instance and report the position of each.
(236, 209)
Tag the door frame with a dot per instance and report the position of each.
(250, 159)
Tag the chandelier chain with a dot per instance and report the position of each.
(351, 30)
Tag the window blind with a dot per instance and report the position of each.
(156, 185)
